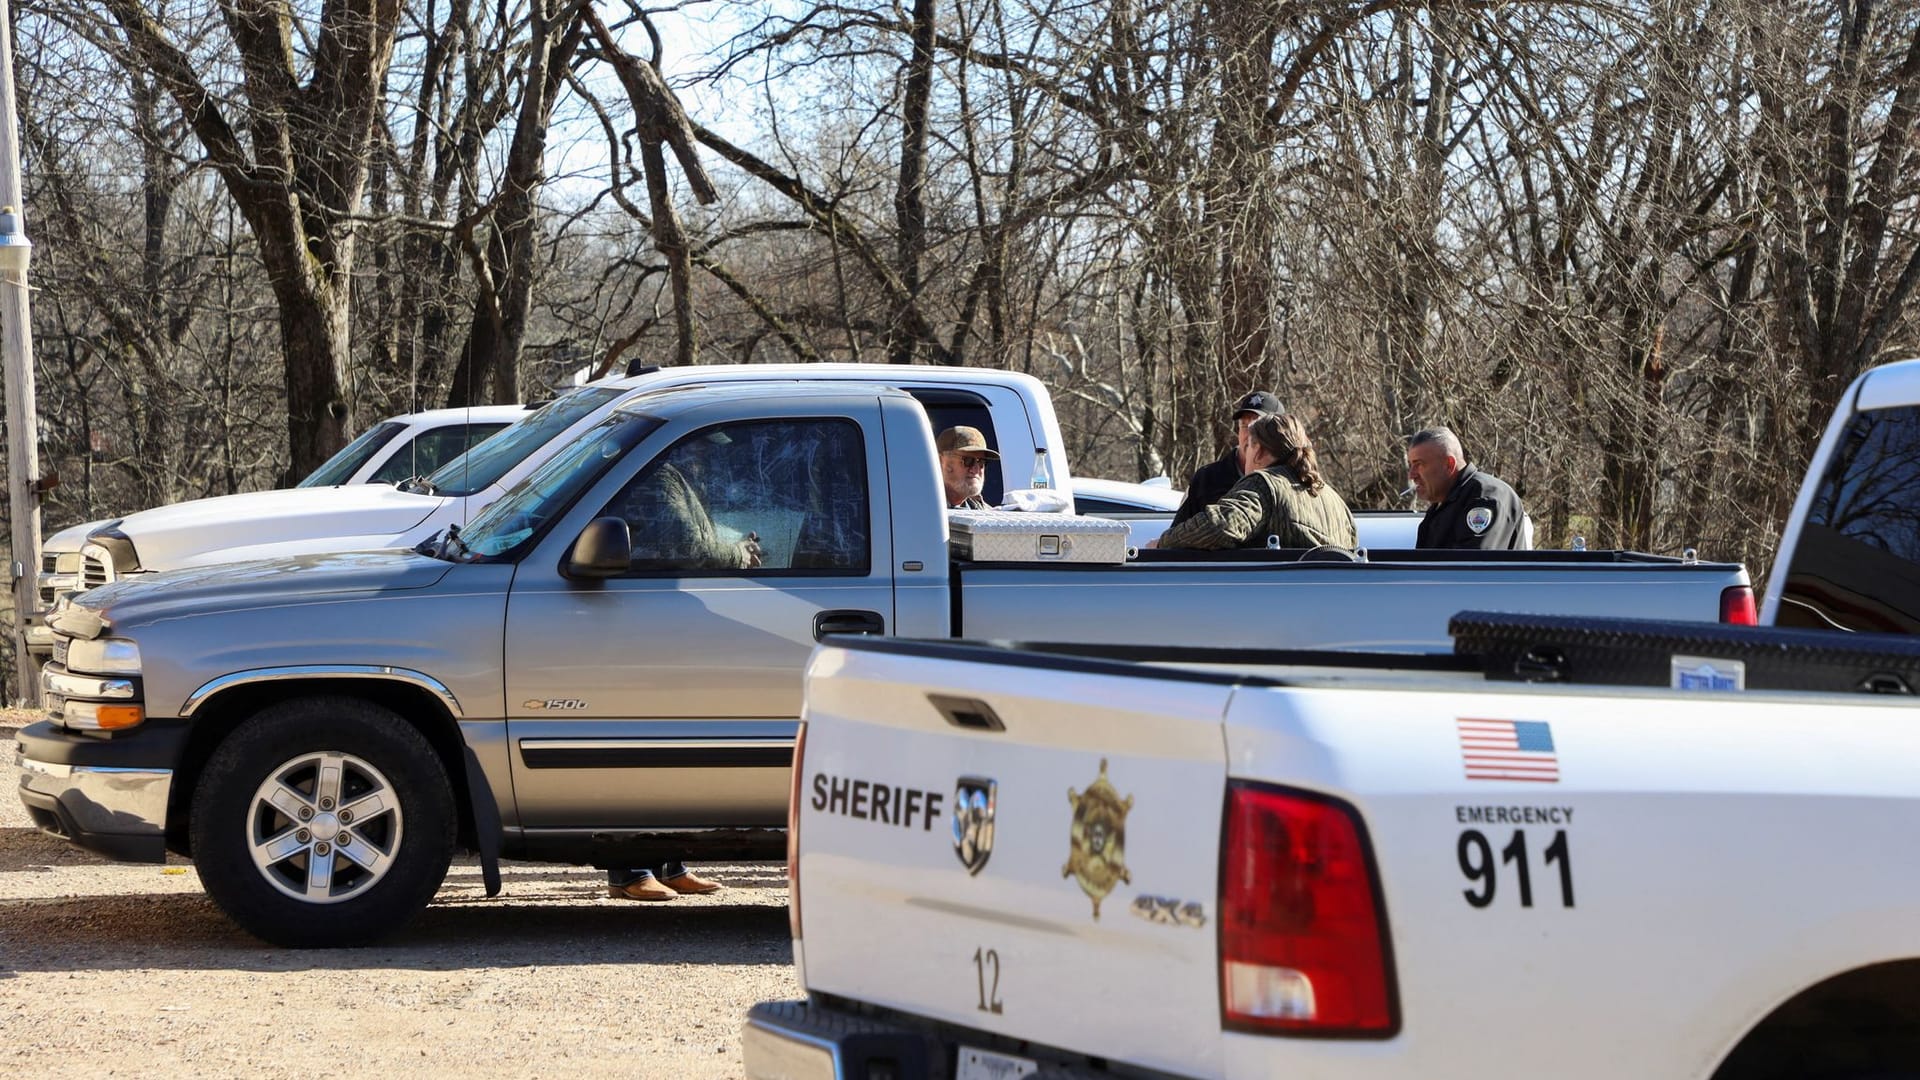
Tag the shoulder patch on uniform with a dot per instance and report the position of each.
(1478, 519)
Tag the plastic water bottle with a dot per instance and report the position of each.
(1042, 470)
(1579, 543)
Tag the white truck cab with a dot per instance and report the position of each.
(1849, 558)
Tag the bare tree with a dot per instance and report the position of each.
(293, 153)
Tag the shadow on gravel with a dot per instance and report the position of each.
(188, 933)
(32, 850)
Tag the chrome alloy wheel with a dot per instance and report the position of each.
(324, 827)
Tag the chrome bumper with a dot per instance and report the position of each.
(119, 812)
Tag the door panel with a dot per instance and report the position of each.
(675, 689)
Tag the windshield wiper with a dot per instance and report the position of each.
(441, 544)
(453, 538)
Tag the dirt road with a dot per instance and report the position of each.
(109, 969)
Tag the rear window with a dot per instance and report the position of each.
(1857, 563)
(953, 408)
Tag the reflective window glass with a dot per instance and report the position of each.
(767, 496)
(340, 468)
(431, 449)
(1857, 563)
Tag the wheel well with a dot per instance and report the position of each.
(1864, 1023)
(221, 715)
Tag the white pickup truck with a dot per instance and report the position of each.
(1687, 854)
(393, 450)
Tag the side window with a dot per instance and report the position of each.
(749, 498)
(432, 449)
(952, 408)
(1857, 564)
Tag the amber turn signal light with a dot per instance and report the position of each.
(118, 717)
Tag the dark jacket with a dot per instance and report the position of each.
(1209, 483)
(1480, 511)
(1270, 502)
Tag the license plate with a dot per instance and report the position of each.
(977, 1064)
(55, 705)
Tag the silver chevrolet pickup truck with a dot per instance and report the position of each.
(604, 667)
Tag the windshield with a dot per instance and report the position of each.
(336, 469)
(503, 529)
(480, 467)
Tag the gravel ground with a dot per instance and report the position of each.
(129, 970)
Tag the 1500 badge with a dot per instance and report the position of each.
(554, 703)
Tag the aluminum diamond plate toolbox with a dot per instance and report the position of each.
(1009, 536)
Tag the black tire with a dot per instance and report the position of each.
(271, 845)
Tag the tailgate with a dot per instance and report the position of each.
(1028, 847)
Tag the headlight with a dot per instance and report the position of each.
(103, 656)
(66, 562)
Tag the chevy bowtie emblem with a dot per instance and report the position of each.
(973, 798)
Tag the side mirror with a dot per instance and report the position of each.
(603, 550)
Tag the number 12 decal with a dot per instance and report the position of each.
(1475, 852)
(986, 970)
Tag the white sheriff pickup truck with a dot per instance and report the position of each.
(1572, 849)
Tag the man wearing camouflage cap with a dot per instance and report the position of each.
(1216, 478)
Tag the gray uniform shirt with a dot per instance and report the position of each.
(1268, 502)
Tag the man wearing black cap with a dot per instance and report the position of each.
(963, 466)
(1216, 478)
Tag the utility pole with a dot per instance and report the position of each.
(16, 353)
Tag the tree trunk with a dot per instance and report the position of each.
(909, 198)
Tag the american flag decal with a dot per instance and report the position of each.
(1508, 750)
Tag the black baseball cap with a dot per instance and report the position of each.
(1260, 401)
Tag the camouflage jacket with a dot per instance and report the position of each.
(1266, 503)
(672, 529)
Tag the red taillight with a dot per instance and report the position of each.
(1736, 606)
(793, 833)
(1303, 930)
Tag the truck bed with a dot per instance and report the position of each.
(1252, 863)
(1395, 601)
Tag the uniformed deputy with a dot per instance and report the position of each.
(1467, 508)
(1216, 478)
(1282, 494)
(963, 466)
